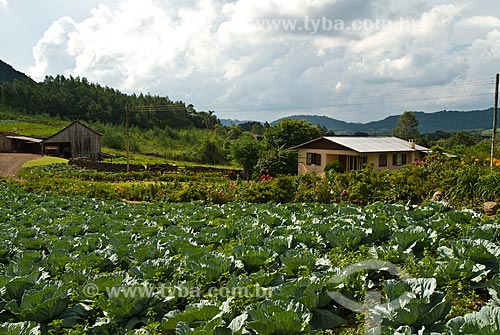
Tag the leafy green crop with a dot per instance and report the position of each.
(87, 266)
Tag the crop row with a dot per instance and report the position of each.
(86, 266)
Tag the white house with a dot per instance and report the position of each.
(389, 153)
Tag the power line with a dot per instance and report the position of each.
(392, 90)
(366, 97)
(369, 96)
(263, 109)
(311, 103)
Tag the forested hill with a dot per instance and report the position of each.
(428, 122)
(77, 98)
(9, 74)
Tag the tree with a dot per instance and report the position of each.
(407, 127)
(278, 161)
(245, 152)
(289, 133)
(461, 138)
(234, 132)
(210, 152)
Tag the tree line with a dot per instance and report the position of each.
(77, 98)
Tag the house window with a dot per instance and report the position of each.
(313, 159)
(398, 159)
(382, 160)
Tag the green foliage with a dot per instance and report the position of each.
(462, 184)
(438, 125)
(253, 127)
(245, 152)
(407, 127)
(45, 160)
(334, 166)
(461, 139)
(289, 133)
(231, 268)
(77, 97)
(366, 186)
(211, 152)
(466, 181)
(186, 145)
(486, 321)
(41, 305)
(277, 161)
(422, 308)
(276, 317)
(436, 150)
(28, 128)
(8, 74)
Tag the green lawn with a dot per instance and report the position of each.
(46, 160)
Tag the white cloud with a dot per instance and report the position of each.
(484, 55)
(3, 4)
(211, 53)
(51, 53)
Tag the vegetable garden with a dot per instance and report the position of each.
(85, 266)
(463, 185)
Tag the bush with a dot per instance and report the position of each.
(278, 162)
(408, 184)
(463, 184)
(334, 166)
(283, 189)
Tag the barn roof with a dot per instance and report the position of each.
(73, 123)
(368, 144)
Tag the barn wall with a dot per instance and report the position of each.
(84, 142)
(5, 144)
(20, 146)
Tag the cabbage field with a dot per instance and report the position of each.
(86, 266)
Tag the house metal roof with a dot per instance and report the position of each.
(25, 138)
(373, 144)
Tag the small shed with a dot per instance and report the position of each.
(75, 141)
(14, 143)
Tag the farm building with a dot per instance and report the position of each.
(385, 153)
(74, 141)
(11, 142)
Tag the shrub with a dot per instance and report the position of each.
(334, 166)
(278, 161)
(408, 184)
(283, 189)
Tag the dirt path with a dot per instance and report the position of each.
(11, 164)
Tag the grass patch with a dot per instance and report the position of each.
(27, 128)
(46, 160)
(135, 158)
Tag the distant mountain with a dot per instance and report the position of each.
(428, 122)
(229, 122)
(8, 73)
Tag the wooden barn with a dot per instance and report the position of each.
(75, 141)
(14, 143)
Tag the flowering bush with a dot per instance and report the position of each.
(463, 183)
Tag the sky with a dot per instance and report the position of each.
(353, 60)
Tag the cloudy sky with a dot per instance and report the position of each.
(354, 60)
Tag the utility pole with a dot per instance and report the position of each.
(495, 117)
(128, 139)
